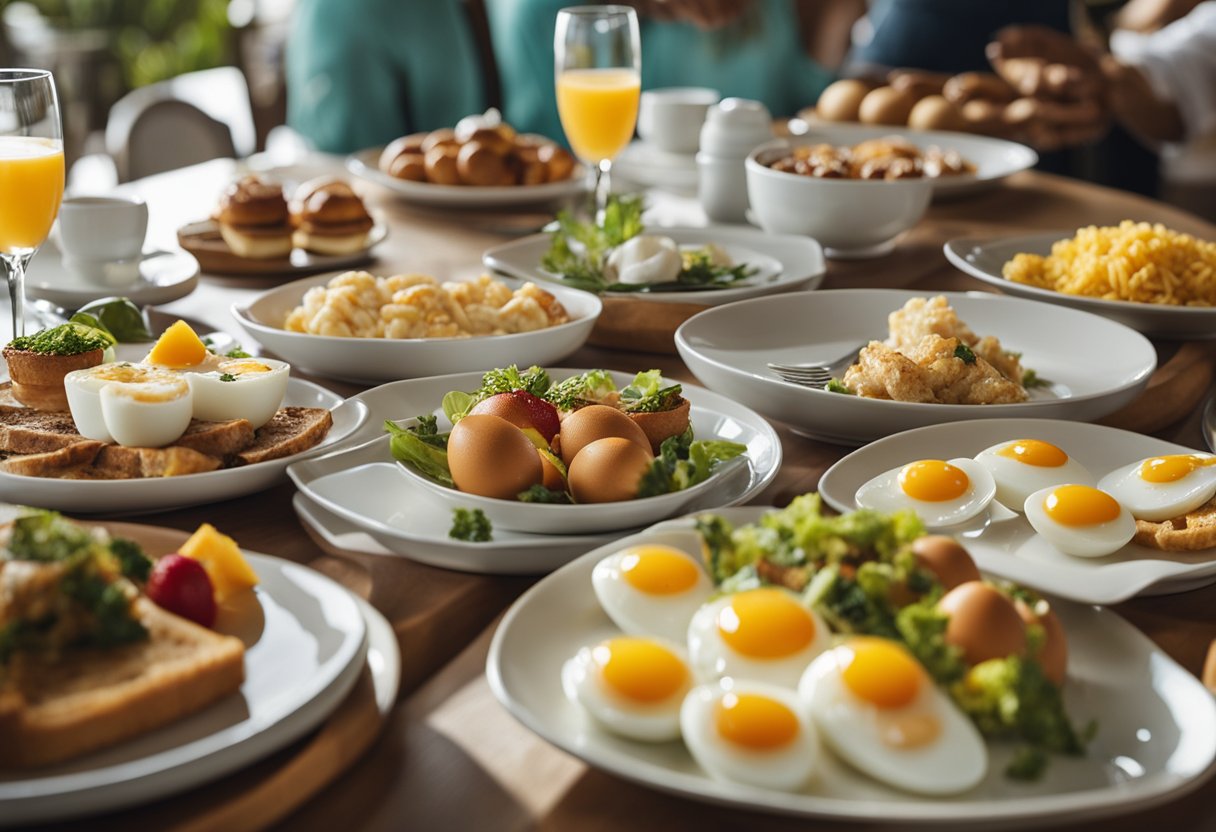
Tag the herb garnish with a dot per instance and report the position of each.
(237, 352)
(835, 385)
(470, 524)
(227, 377)
(965, 353)
(65, 339)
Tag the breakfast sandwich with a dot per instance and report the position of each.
(329, 218)
(254, 220)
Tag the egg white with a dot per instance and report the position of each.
(251, 395)
(712, 658)
(118, 415)
(787, 768)
(1159, 500)
(639, 613)
(883, 493)
(1015, 480)
(954, 762)
(648, 722)
(1084, 542)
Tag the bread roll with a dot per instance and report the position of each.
(438, 138)
(254, 220)
(478, 164)
(886, 105)
(440, 164)
(330, 218)
(558, 160)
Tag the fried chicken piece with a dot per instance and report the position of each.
(930, 371)
(883, 373)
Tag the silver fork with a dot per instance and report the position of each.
(816, 374)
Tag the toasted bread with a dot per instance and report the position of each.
(24, 430)
(293, 429)
(92, 698)
(63, 462)
(1192, 531)
(116, 462)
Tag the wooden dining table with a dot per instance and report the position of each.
(448, 756)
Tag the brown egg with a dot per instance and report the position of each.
(841, 101)
(934, 112)
(1053, 656)
(491, 457)
(597, 421)
(885, 105)
(945, 558)
(608, 470)
(552, 478)
(983, 623)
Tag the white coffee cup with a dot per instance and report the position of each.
(670, 118)
(102, 237)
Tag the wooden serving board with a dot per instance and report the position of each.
(203, 240)
(641, 326)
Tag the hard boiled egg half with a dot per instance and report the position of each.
(130, 404)
(1080, 520)
(1023, 466)
(651, 590)
(1163, 487)
(879, 711)
(942, 493)
(239, 388)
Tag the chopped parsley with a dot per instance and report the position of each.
(470, 524)
(1031, 379)
(65, 339)
(964, 353)
(237, 352)
(835, 385)
(227, 377)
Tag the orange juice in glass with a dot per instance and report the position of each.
(597, 73)
(31, 174)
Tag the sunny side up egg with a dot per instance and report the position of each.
(129, 404)
(1024, 466)
(761, 634)
(1080, 520)
(651, 590)
(631, 686)
(748, 732)
(942, 493)
(879, 711)
(1163, 487)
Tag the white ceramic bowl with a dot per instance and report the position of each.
(375, 360)
(849, 217)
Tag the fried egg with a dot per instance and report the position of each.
(751, 733)
(631, 686)
(1162, 487)
(240, 388)
(877, 708)
(1023, 466)
(1080, 520)
(942, 493)
(762, 634)
(651, 590)
(130, 404)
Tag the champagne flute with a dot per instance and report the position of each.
(597, 71)
(31, 174)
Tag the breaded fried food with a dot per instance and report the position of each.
(1192, 531)
(932, 371)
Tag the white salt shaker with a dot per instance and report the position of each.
(732, 129)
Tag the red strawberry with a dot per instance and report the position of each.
(522, 409)
(181, 585)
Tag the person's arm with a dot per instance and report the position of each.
(522, 31)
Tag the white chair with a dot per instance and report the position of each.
(188, 119)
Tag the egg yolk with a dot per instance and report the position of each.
(1034, 452)
(879, 672)
(639, 669)
(658, 570)
(933, 481)
(754, 721)
(1172, 468)
(1080, 505)
(765, 624)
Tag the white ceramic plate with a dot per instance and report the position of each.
(364, 164)
(1012, 549)
(411, 520)
(164, 276)
(647, 165)
(1096, 366)
(163, 493)
(1157, 724)
(375, 360)
(306, 657)
(985, 258)
(785, 262)
(994, 159)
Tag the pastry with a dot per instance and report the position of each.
(330, 218)
(254, 220)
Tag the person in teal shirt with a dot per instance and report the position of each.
(758, 54)
(363, 72)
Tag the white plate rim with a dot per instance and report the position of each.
(141, 291)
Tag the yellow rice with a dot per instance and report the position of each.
(1135, 261)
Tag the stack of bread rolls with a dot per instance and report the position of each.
(480, 151)
(325, 216)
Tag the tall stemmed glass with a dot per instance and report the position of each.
(597, 70)
(31, 174)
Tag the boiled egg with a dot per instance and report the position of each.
(646, 258)
(1023, 466)
(1163, 487)
(1080, 520)
(631, 686)
(875, 706)
(651, 590)
(748, 732)
(131, 404)
(941, 493)
(240, 388)
(762, 634)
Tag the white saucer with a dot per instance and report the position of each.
(164, 276)
(647, 165)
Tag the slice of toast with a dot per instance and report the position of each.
(63, 462)
(93, 698)
(1191, 532)
(117, 462)
(24, 430)
(293, 429)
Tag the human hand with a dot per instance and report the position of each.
(1042, 63)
